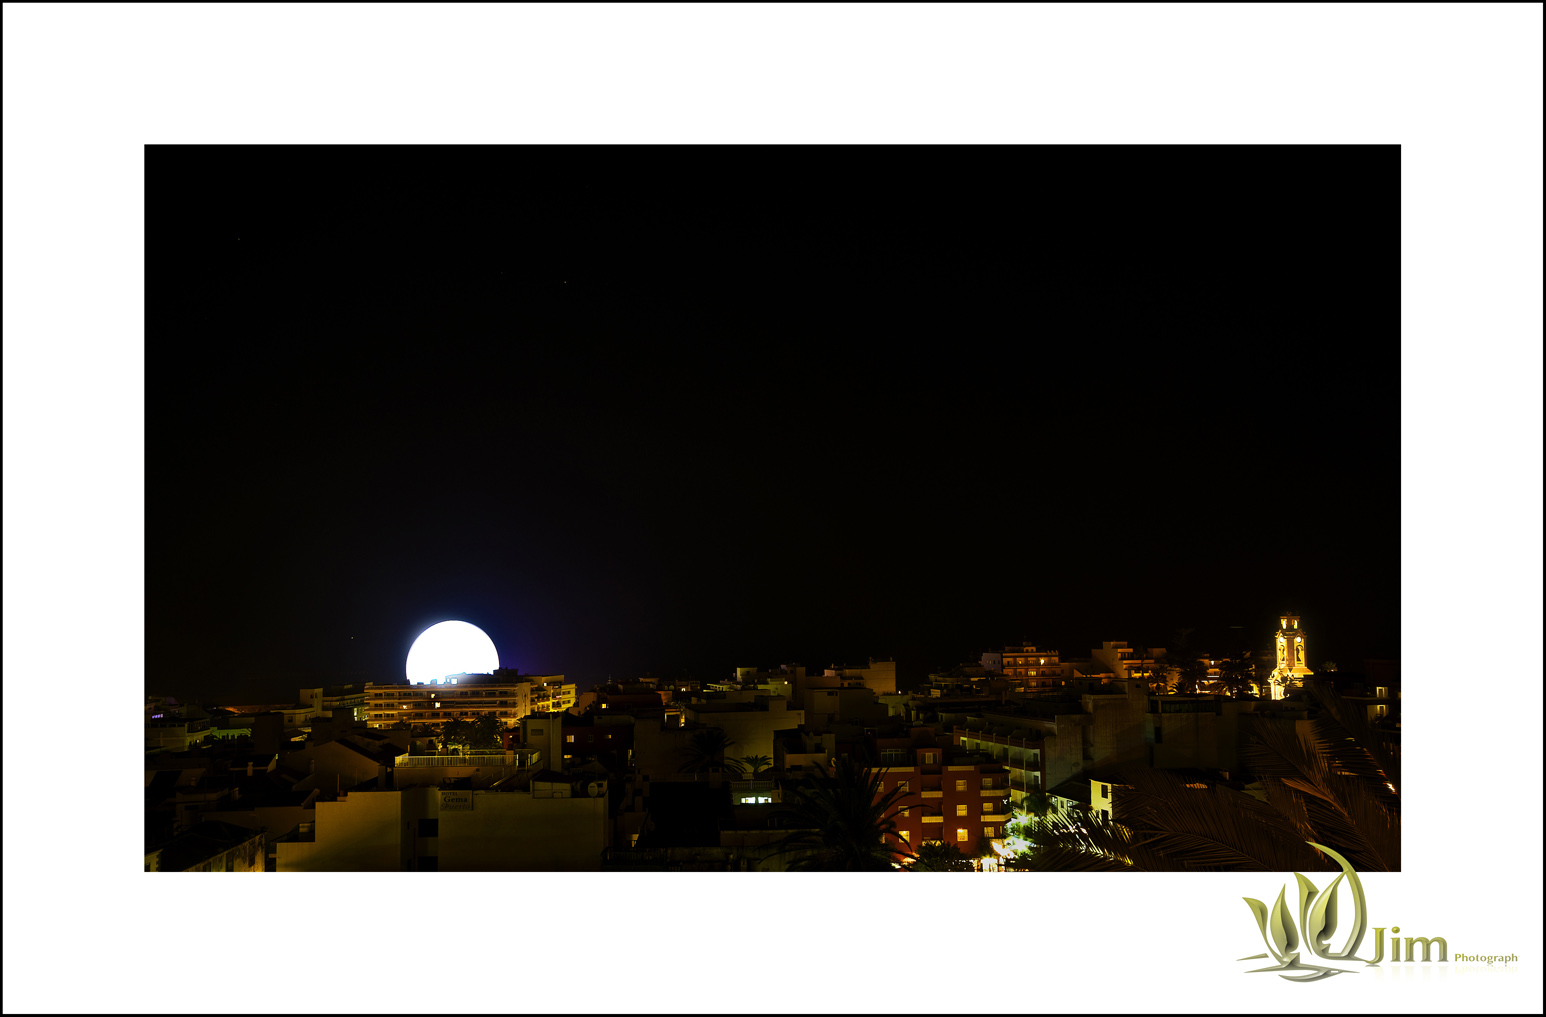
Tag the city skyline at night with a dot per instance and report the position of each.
(450, 531)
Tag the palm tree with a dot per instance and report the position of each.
(937, 856)
(1335, 784)
(453, 732)
(1237, 674)
(483, 732)
(1191, 671)
(841, 821)
(706, 749)
(753, 765)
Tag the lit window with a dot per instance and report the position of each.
(567, 738)
(960, 810)
(960, 785)
(901, 785)
(906, 835)
(990, 832)
(961, 834)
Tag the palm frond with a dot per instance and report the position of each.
(1208, 829)
(842, 822)
(1351, 812)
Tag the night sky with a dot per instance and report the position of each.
(655, 410)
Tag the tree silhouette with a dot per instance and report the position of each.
(937, 856)
(454, 732)
(706, 750)
(483, 732)
(750, 766)
(1191, 671)
(840, 822)
(1237, 675)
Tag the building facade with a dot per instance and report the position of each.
(1038, 668)
(947, 796)
(1292, 655)
(467, 697)
(551, 824)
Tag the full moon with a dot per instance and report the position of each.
(450, 647)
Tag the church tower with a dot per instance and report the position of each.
(1291, 669)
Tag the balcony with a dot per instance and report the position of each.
(751, 786)
(501, 759)
(990, 792)
(931, 794)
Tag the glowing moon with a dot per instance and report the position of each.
(450, 647)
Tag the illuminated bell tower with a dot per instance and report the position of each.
(1291, 669)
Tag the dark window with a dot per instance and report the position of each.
(1159, 735)
(429, 828)
(1105, 790)
(429, 863)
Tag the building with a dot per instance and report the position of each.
(1014, 743)
(343, 763)
(209, 847)
(543, 821)
(1127, 662)
(1045, 740)
(750, 726)
(948, 794)
(349, 698)
(274, 813)
(504, 694)
(176, 732)
(1291, 668)
(1037, 668)
(1381, 703)
(605, 736)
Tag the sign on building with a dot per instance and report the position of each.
(452, 801)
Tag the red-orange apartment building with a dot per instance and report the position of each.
(949, 795)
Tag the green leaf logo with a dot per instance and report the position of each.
(1281, 925)
(1318, 922)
